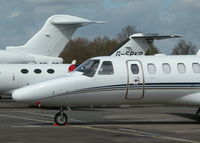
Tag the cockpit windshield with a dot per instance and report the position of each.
(89, 67)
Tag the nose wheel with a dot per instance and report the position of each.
(61, 118)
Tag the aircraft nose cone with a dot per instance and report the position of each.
(32, 92)
(40, 91)
(23, 94)
(18, 95)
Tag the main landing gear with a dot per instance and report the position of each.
(61, 118)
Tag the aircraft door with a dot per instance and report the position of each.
(135, 85)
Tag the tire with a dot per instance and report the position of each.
(60, 119)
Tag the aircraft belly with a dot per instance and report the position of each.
(116, 97)
(192, 99)
(87, 99)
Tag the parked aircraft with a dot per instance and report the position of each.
(46, 45)
(120, 80)
(15, 76)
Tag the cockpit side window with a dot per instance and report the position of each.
(89, 67)
(106, 68)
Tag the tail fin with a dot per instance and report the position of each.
(53, 37)
(138, 44)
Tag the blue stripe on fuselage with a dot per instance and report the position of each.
(139, 86)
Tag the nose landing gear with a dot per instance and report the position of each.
(61, 118)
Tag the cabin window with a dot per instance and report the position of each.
(166, 68)
(106, 68)
(88, 68)
(50, 71)
(181, 68)
(134, 68)
(196, 67)
(24, 71)
(37, 71)
(151, 68)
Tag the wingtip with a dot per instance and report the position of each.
(100, 22)
(177, 36)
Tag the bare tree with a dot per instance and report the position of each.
(125, 33)
(76, 49)
(103, 46)
(184, 47)
(152, 50)
(81, 49)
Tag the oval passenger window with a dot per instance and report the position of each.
(24, 71)
(166, 68)
(50, 71)
(181, 68)
(151, 68)
(196, 67)
(37, 71)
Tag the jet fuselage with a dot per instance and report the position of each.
(121, 80)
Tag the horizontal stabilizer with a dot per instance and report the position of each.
(72, 20)
(154, 36)
(77, 22)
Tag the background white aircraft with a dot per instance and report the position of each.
(110, 80)
(139, 43)
(13, 76)
(46, 45)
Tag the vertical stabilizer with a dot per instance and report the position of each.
(138, 44)
(53, 37)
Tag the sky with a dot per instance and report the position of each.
(21, 19)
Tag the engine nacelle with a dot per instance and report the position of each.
(39, 59)
(21, 58)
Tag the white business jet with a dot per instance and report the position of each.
(46, 45)
(162, 79)
(15, 76)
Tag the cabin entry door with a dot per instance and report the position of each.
(135, 80)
